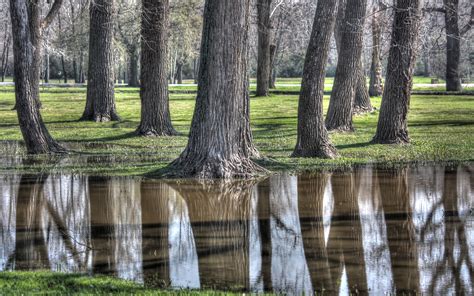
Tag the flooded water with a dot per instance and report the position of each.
(369, 231)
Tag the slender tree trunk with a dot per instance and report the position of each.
(453, 45)
(35, 134)
(82, 79)
(46, 68)
(339, 115)
(179, 73)
(313, 139)
(196, 70)
(100, 104)
(272, 73)
(220, 141)
(392, 125)
(376, 86)
(5, 55)
(63, 64)
(361, 102)
(264, 52)
(155, 116)
(133, 67)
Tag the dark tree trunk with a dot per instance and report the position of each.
(376, 86)
(155, 116)
(392, 126)
(5, 54)
(133, 68)
(362, 102)
(339, 115)
(453, 45)
(100, 104)
(46, 68)
(272, 73)
(63, 64)
(220, 141)
(264, 52)
(313, 139)
(179, 73)
(33, 129)
(196, 70)
(82, 79)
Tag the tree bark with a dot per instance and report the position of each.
(220, 142)
(5, 55)
(453, 45)
(35, 134)
(392, 125)
(155, 116)
(179, 72)
(133, 67)
(272, 72)
(46, 68)
(339, 115)
(375, 85)
(100, 103)
(313, 139)
(264, 52)
(362, 102)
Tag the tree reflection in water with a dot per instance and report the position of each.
(369, 231)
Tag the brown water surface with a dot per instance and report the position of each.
(369, 231)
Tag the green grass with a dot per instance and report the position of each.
(441, 129)
(48, 283)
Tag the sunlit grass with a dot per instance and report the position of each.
(441, 129)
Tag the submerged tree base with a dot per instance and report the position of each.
(207, 168)
(100, 117)
(152, 132)
(325, 152)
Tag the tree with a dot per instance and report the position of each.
(375, 85)
(220, 141)
(100, 103)
(27, 30)
(155, 114)
(313, 139)
(339, 116)
(264, 43)
(453, 45)
(392, 125)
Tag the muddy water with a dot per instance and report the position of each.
(369, 231)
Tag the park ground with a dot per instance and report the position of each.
(441, 128)
(48, 283)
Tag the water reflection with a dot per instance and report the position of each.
(369, 231)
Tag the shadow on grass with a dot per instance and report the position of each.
(354, 145)
(444, 122)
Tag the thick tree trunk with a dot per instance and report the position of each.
(376, 86)
(220, 142)
(35, 134)
(264, 51)
(361, 102)
(100, 104)
(179, 73)
(453, 45)
(339, 115)
(313, 139)
(392, 126)
(155, 116)
(133, 68)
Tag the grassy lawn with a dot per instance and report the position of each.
(441, 129)
(48, 283)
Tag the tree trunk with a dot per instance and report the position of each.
(63, 64)
(35, 134)
(196, 70)
(376, 86)
(155, 116)
(82, 79)
(339, 115)
(272, 73)
(313, 139)
(5, 54)
(264, 52)
(361, 102)
(100, 104)
(46, 68)
(179, 73)
(453, 45)
(392, 125)
(133, 67)
(220, 141)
